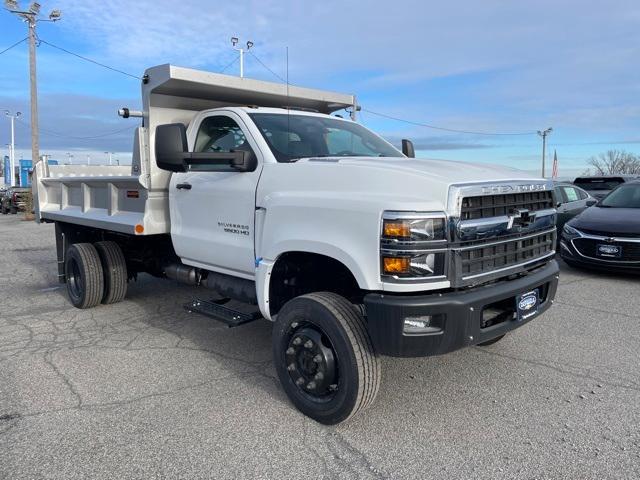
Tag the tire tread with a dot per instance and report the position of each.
(114, 267)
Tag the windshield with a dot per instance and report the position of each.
(598, 183)
(626, 196)
(291, 137)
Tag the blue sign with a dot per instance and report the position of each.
(6, 168)
(25, 166)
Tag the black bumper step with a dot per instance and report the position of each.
(228, 316)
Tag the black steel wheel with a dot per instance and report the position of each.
(114, 267)
(324, 357)
(84, 277)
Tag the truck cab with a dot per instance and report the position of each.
(353, 249)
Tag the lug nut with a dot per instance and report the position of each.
(294, 325)
(317, 358)
(319, 376)
(308, 344)
(300, 381)
(290, 351)
(297, 341)
(333, 387)
(291, 367)
(311, 385)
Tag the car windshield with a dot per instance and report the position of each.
(291, 137)
(598, 183)
(626, 196)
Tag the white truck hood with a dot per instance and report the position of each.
(382, 183)
(447, 171)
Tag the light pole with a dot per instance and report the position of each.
(12, 149)
(69, 157)
(234, 42)
(109, 153)
(31, 17)
(544, 134)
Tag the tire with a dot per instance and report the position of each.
(84, 276)
(13, 210)
(492, 341)
(340, 350)
(4, 210)
(114, 268)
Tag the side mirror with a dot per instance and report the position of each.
(172, 154)
(407, 148)
(171, 147)
(591, 202)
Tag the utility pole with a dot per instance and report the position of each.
(31, 17)
(544, 134)
(234, 42)
(12, 148)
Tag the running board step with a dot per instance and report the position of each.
(214, 309)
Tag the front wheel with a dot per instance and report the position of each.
(324, 357)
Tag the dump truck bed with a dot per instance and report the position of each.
(134, 199)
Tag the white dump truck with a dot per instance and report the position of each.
(354, 249)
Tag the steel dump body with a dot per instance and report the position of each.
(134, 199)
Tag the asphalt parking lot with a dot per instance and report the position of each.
(143, 389)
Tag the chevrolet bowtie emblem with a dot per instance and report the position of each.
(521, 217)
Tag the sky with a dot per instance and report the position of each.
(494, 66)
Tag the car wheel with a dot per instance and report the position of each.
(84, 276)
(114, 267)
(324, 357)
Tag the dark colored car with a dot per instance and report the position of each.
(14, 199)
(606, 235)
(571, 201)
(600, 186)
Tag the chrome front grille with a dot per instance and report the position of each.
(499, 230)
(481, 260)
(489, 206)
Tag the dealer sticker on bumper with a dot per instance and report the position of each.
(527, 304)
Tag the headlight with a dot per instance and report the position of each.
(414, 266)
(569, 231)
(417, 229)
(412, 245)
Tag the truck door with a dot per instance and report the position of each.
(213, 212)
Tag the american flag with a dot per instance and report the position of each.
(554, 174)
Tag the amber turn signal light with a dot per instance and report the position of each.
(392, 265)
(396, 229)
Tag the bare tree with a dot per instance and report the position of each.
(615, 162)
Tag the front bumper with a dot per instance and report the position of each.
(458, 315)
(570, 253)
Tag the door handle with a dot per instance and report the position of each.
(183, 186)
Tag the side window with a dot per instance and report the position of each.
(560, 198)
(571, 194)
(582, 194)
(220, 134)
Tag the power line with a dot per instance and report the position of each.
(265, 66)
(89, 60)
(14, 45)
(230, 63)
(434, 127)
(71, 137)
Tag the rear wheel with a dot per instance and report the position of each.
(13, 210)
(84, 277)
(114, 267)
(324, 357)
(4, 210)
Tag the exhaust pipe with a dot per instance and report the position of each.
(182, 274)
